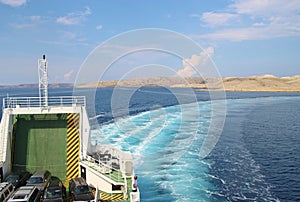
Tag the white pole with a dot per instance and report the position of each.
(43, 81)
(97, 193)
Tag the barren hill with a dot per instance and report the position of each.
(252, 83)
(262, 83)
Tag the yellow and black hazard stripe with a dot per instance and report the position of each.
(111, 197)
(73, 145)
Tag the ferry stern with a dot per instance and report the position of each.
(53, 133)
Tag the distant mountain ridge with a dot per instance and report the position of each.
(54, 85)
(266, 82)
(253, 83)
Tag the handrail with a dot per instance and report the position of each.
(26, 102)
(3, 137)
(101, 164)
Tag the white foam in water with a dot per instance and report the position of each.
(165, 144)
(160, 140)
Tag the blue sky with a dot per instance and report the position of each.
(245, 37)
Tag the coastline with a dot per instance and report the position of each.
(265, 83)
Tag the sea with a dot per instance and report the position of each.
(256, 157)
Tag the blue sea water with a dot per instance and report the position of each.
(257, 157)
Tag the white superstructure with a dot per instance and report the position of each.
(31, 120)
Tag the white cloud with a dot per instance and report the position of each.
(217, 19)
(28, 22)
(67, 20)
(259, 24)
(22, 26)
(66, 43)
(195, 62)
(266, 7)
(74, 17)
(34, 17)
(238, 34)
(68, 75)
(275, 28)
(67, 38)
(99, 27)
(68, 35)
(14, 3)
(258, 19)
(194, 15)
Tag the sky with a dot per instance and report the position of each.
(242, 37)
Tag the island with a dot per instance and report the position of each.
(265, 83)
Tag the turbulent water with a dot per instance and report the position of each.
(257, 157)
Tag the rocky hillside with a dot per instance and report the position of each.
(252, 83)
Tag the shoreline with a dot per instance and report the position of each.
(265, 83)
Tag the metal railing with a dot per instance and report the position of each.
(3, 136)
(26, 102)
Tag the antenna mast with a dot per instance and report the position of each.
(43, 81)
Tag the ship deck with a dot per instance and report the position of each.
(40, 143)
(49, 138)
